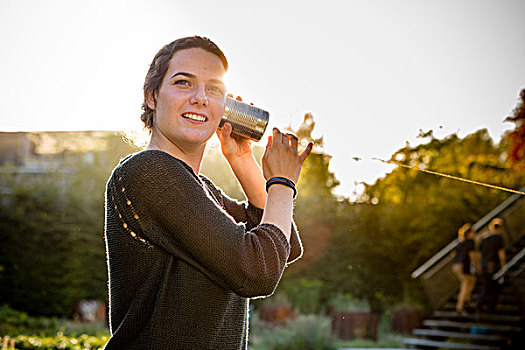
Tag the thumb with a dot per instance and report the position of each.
(226, 132)
(306, 152)
(270, 141)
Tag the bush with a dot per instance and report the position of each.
(14, 322)
(347, 302)
(20, 331)
(307, 332)
(304, 294)
(59, 341)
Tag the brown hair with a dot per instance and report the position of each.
(159, 67)
(463, 231)
(495, 224)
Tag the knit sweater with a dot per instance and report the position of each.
(183, 258)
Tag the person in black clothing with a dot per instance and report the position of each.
(184, 259)
(465, 256)
(493, 258)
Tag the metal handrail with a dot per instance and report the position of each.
(435, 259)
(508, 265)
(479, 224)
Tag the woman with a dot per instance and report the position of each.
(183, 258)
(465, 255)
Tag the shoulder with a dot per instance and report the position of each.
(153, 171)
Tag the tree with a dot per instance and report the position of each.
(52, 228)
(415, 213)
(516, 146)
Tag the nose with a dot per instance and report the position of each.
(199, 97)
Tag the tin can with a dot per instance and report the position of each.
(246, 120)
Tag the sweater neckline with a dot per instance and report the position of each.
(190, 169)
(202, 179)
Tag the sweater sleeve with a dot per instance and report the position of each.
(251, 216)
(163, 201)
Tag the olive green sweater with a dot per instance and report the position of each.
(183, 258)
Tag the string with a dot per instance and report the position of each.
(451, 176)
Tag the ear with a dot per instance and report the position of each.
(151, 99)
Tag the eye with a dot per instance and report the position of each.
(182, 82)
(217, 90)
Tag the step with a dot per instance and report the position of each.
(502, 298)
(500, 308)
(478, 317)
(460, 335)
(470, 325)
(447, 345)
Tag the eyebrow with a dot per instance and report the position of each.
(190, 75)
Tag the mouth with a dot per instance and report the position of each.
(195, 117)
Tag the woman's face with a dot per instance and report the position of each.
(190, 100)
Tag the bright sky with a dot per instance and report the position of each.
(372, 72)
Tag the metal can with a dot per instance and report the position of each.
(246, 120)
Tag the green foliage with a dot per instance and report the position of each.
(368, 249)
(14, 322)
(52, 251)
(58, 342)
(27, 332)
(304, 294)
(347, 302)
(307, 332)
(415, 214)
(313, 332)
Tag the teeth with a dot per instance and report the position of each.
(196, 117)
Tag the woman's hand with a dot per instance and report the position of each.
(238, 152)
(234, 147)
(281, 157)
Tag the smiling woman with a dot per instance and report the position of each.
(193, 89)
(183, 257)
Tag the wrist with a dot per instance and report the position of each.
(279, 180)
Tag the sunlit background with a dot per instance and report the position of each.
(372, 73)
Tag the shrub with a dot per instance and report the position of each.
(307, 332)
(15, 322)
(347, 302)
(58, 341)
(304, 294)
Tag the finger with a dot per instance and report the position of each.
(268, 146)
(306, 152)
(230, 95)
(239, 138)
(294, 142)
(277, 135)
(238, 98)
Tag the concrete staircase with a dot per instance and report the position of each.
(503, 329)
